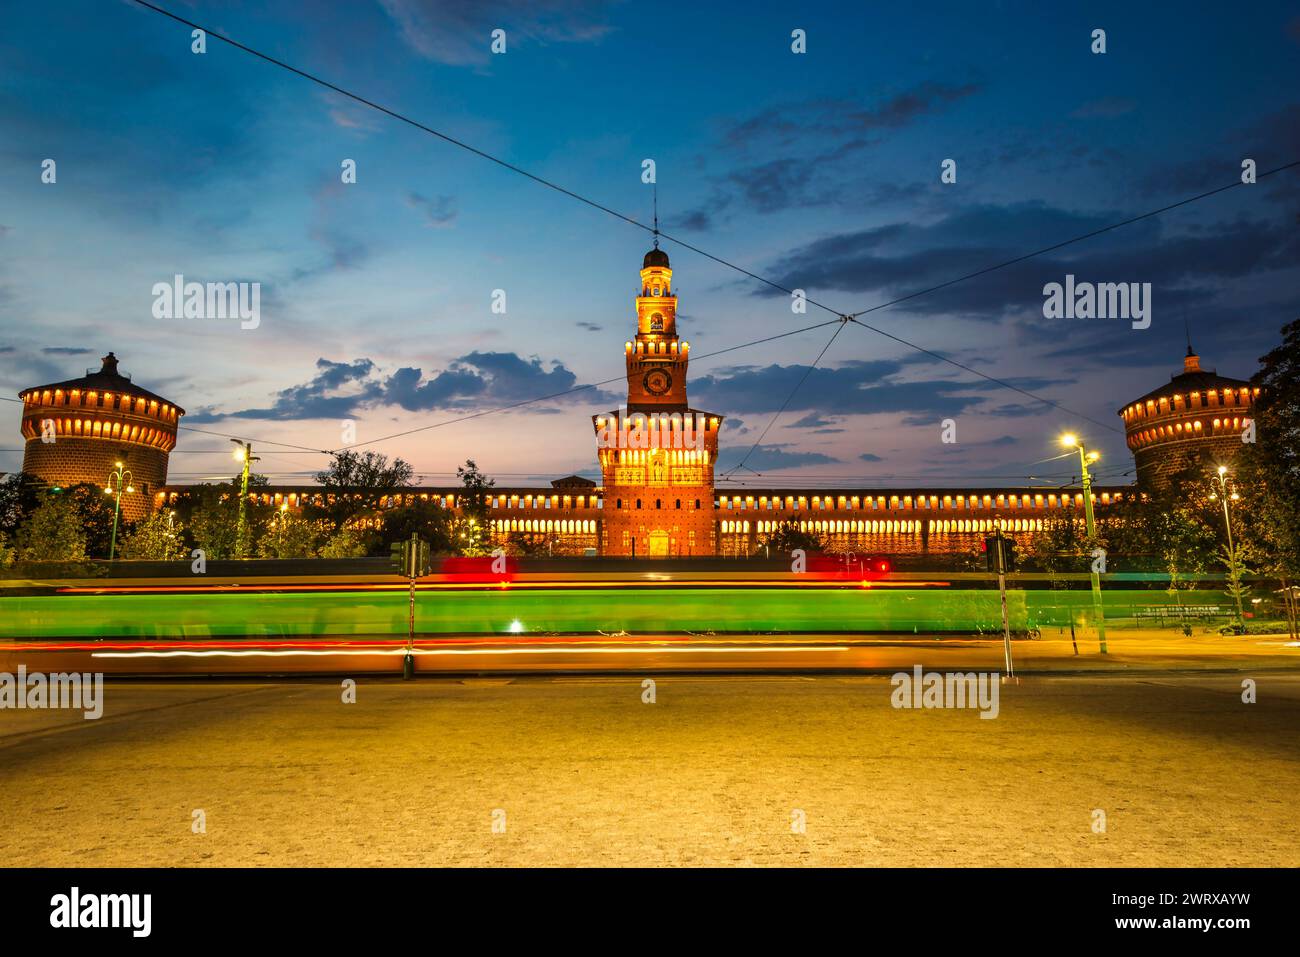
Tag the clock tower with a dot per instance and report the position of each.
(657, 458)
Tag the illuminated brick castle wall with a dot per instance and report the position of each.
(76, 430)
(1198, 419)
(657, 495)
(864, 520)
(657, 458)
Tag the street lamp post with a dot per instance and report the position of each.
(284, 510)
(1073, 441)
(1222, 478)
(121, 476)
(242, 454)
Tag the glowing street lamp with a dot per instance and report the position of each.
(284, 510)
(122, 476)
(1070, 440)
(242, 454)
(1224, 494)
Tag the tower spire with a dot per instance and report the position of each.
(655, 192)
(1191, 362)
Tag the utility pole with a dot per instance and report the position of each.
(243, 454)
(1099, 614)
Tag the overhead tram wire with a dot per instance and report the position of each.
(1077, 239)
(224, 435)
(797, 386)
(483, 154)
(686, 245)
(654, 230)
(228, 435)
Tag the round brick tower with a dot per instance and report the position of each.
(1199, 418)
(77, 430)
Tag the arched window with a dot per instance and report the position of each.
(618, 503)
(697, 503)
(679, 503)
(656, 320)
(638, 503)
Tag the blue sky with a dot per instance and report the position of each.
(820, 170)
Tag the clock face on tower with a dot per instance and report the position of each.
(657, 382)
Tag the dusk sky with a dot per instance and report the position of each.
(818, 170)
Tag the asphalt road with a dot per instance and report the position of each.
(719, 770)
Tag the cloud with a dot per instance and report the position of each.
(902, 258)
(352, 118)
(1016, 411)
(1106, 107)
(806, 178)
(458, 32)
(853, 388)
(1271, 140)
(838, 118)
(439, 211)
(693, 220)
(770, 458)
(812, 421)
(869, 457)
(590, 326)
(66, 351)
(477, 380)
(779, 184)
(319, 398)
(344, 249)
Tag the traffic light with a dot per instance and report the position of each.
(411, 557)
(418, 560)
(1008, 547)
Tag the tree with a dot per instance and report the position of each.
(527, 544)
(1059, 546)
(427, 519)
(1185, 544)
(289, 536)
(52, 533)
(157, 538)
(20, 495)
(1233, 560)
(211, 517)
(472, 532)
(345, 543)
(1267, 471)
(788, 536)
(356, 483)
(7, 553)
(95, 511)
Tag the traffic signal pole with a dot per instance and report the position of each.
(1002, 590)
(412, 560)
(408, 661)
